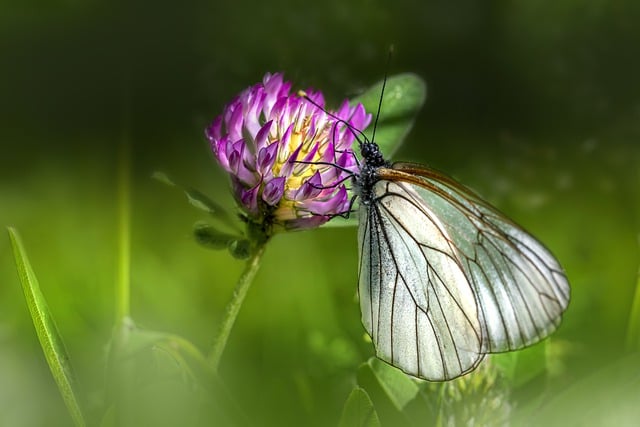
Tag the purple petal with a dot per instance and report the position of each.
(347, 160)
(359, 118)
(248, 197)
(273, 191)
(235, 155)
(306, 222)
(214, 130)
(272, 82)
(267, 157)
(220, 149)
(329, 155)
(310, 157)
(253, 111)
(277, 105)
(290, 162)
(263, 135)
(335, 205)
(234, 124)
(344, 110)
(310, 189)
(230, 108)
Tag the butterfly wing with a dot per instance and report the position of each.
(445, 278)
(417, 303)
(519, 286)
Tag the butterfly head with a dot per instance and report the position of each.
(371, 154)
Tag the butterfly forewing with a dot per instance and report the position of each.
(518, 286)
(417, 302)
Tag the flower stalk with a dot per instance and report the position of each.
(234, 304)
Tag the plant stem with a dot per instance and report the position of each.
(633, 326)
(233, 306)
(124, 227)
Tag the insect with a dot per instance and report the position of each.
(444, 277)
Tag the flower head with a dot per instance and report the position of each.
(288, 159)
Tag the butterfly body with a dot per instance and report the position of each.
(444, 278)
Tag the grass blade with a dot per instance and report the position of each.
(50, 339)
(633, 327)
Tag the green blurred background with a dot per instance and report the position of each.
(536, 105)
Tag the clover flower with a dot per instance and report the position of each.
(289, 160)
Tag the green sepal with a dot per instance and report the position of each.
(211, 238)
(240, 249)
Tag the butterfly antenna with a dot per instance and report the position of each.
(354, 131)
(384, 84)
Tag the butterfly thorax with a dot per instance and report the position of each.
(368, 176)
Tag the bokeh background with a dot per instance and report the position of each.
(536, 105)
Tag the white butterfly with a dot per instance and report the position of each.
(445, 278)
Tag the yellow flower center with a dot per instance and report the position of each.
(300, 138)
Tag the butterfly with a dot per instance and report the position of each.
(444, 278)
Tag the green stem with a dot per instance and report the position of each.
(633, 327)
(124, 230)
(233, 306)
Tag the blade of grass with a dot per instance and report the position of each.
(122, 305)
(633, 327)
(48, 335)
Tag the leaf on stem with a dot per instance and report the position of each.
(404, 95)
(359, 411)
(200, 201)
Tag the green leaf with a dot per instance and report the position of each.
(132, 342)
(152, 375)
(608, 396)
(48, 335)
(359, 411)
(212, 238)
(404, 96)
(400, 388)
(522, 367)
(199, 200)
(397, 386)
